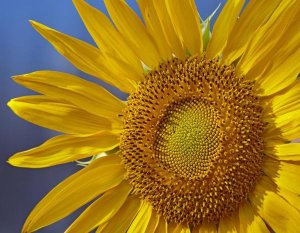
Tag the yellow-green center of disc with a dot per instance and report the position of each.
(188, 138)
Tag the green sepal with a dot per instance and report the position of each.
(206, 33)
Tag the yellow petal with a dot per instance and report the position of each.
(168, 29)
(83, 56)
(276, 212)
(103, 174)
(287, 102)
(206, 228)
(254, 15)
(182, 230)
(289, 151)
(107, 37)
(101, 227)
(162, 226)
(131, 27)
(268, 35)
(64, 149)
(176, 228)
(153, 222)
(155, 27)
(292, 198)
(186, 22)
(101, 210)
(87, 95)
(121, 69)
(229, 224)
(273, 75)
(292, 134)
(121, 221)
(57, 115)
(285, 175)
(249, 221)
(282, 73)
(140, 223)
(286, 125)
(223, 27)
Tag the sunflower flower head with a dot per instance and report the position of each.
(205, 140)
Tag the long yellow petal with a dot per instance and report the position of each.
(249, 221)
(102, 210)
(282, 70)
(78, 189)
(132, 28)
(268, 35)
(83, 56)
(162, 226)
(168, 29)
(87, 95)
(107, 37)
(286, 125)
(122, 70)
(223, 27)
(292, 198)
(140, 223)
(153, 222)
(186, 22)
(121, 221)
(276, 212)
(285, 175)
(292, 134)
(273, 75)
(254, 15)
(64, 149)
(289, 151)
(287, 102)
(155, 27)
(57, 115)
(206, 228)
(283, 73)
(229, 224)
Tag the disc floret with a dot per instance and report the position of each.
(192, 142)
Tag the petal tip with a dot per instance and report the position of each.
(9, 161)
(13, 162)
(17, 77)
(33, 23)
(39, 26)
(22, 77)
(10, 103)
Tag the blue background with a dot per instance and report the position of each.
(22, 50)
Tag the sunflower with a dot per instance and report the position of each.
(205, 140)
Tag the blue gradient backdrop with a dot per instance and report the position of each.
(24, 51)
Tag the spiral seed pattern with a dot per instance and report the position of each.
(187, 140)
(192, 140)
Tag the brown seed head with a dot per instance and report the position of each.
(192, 143)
